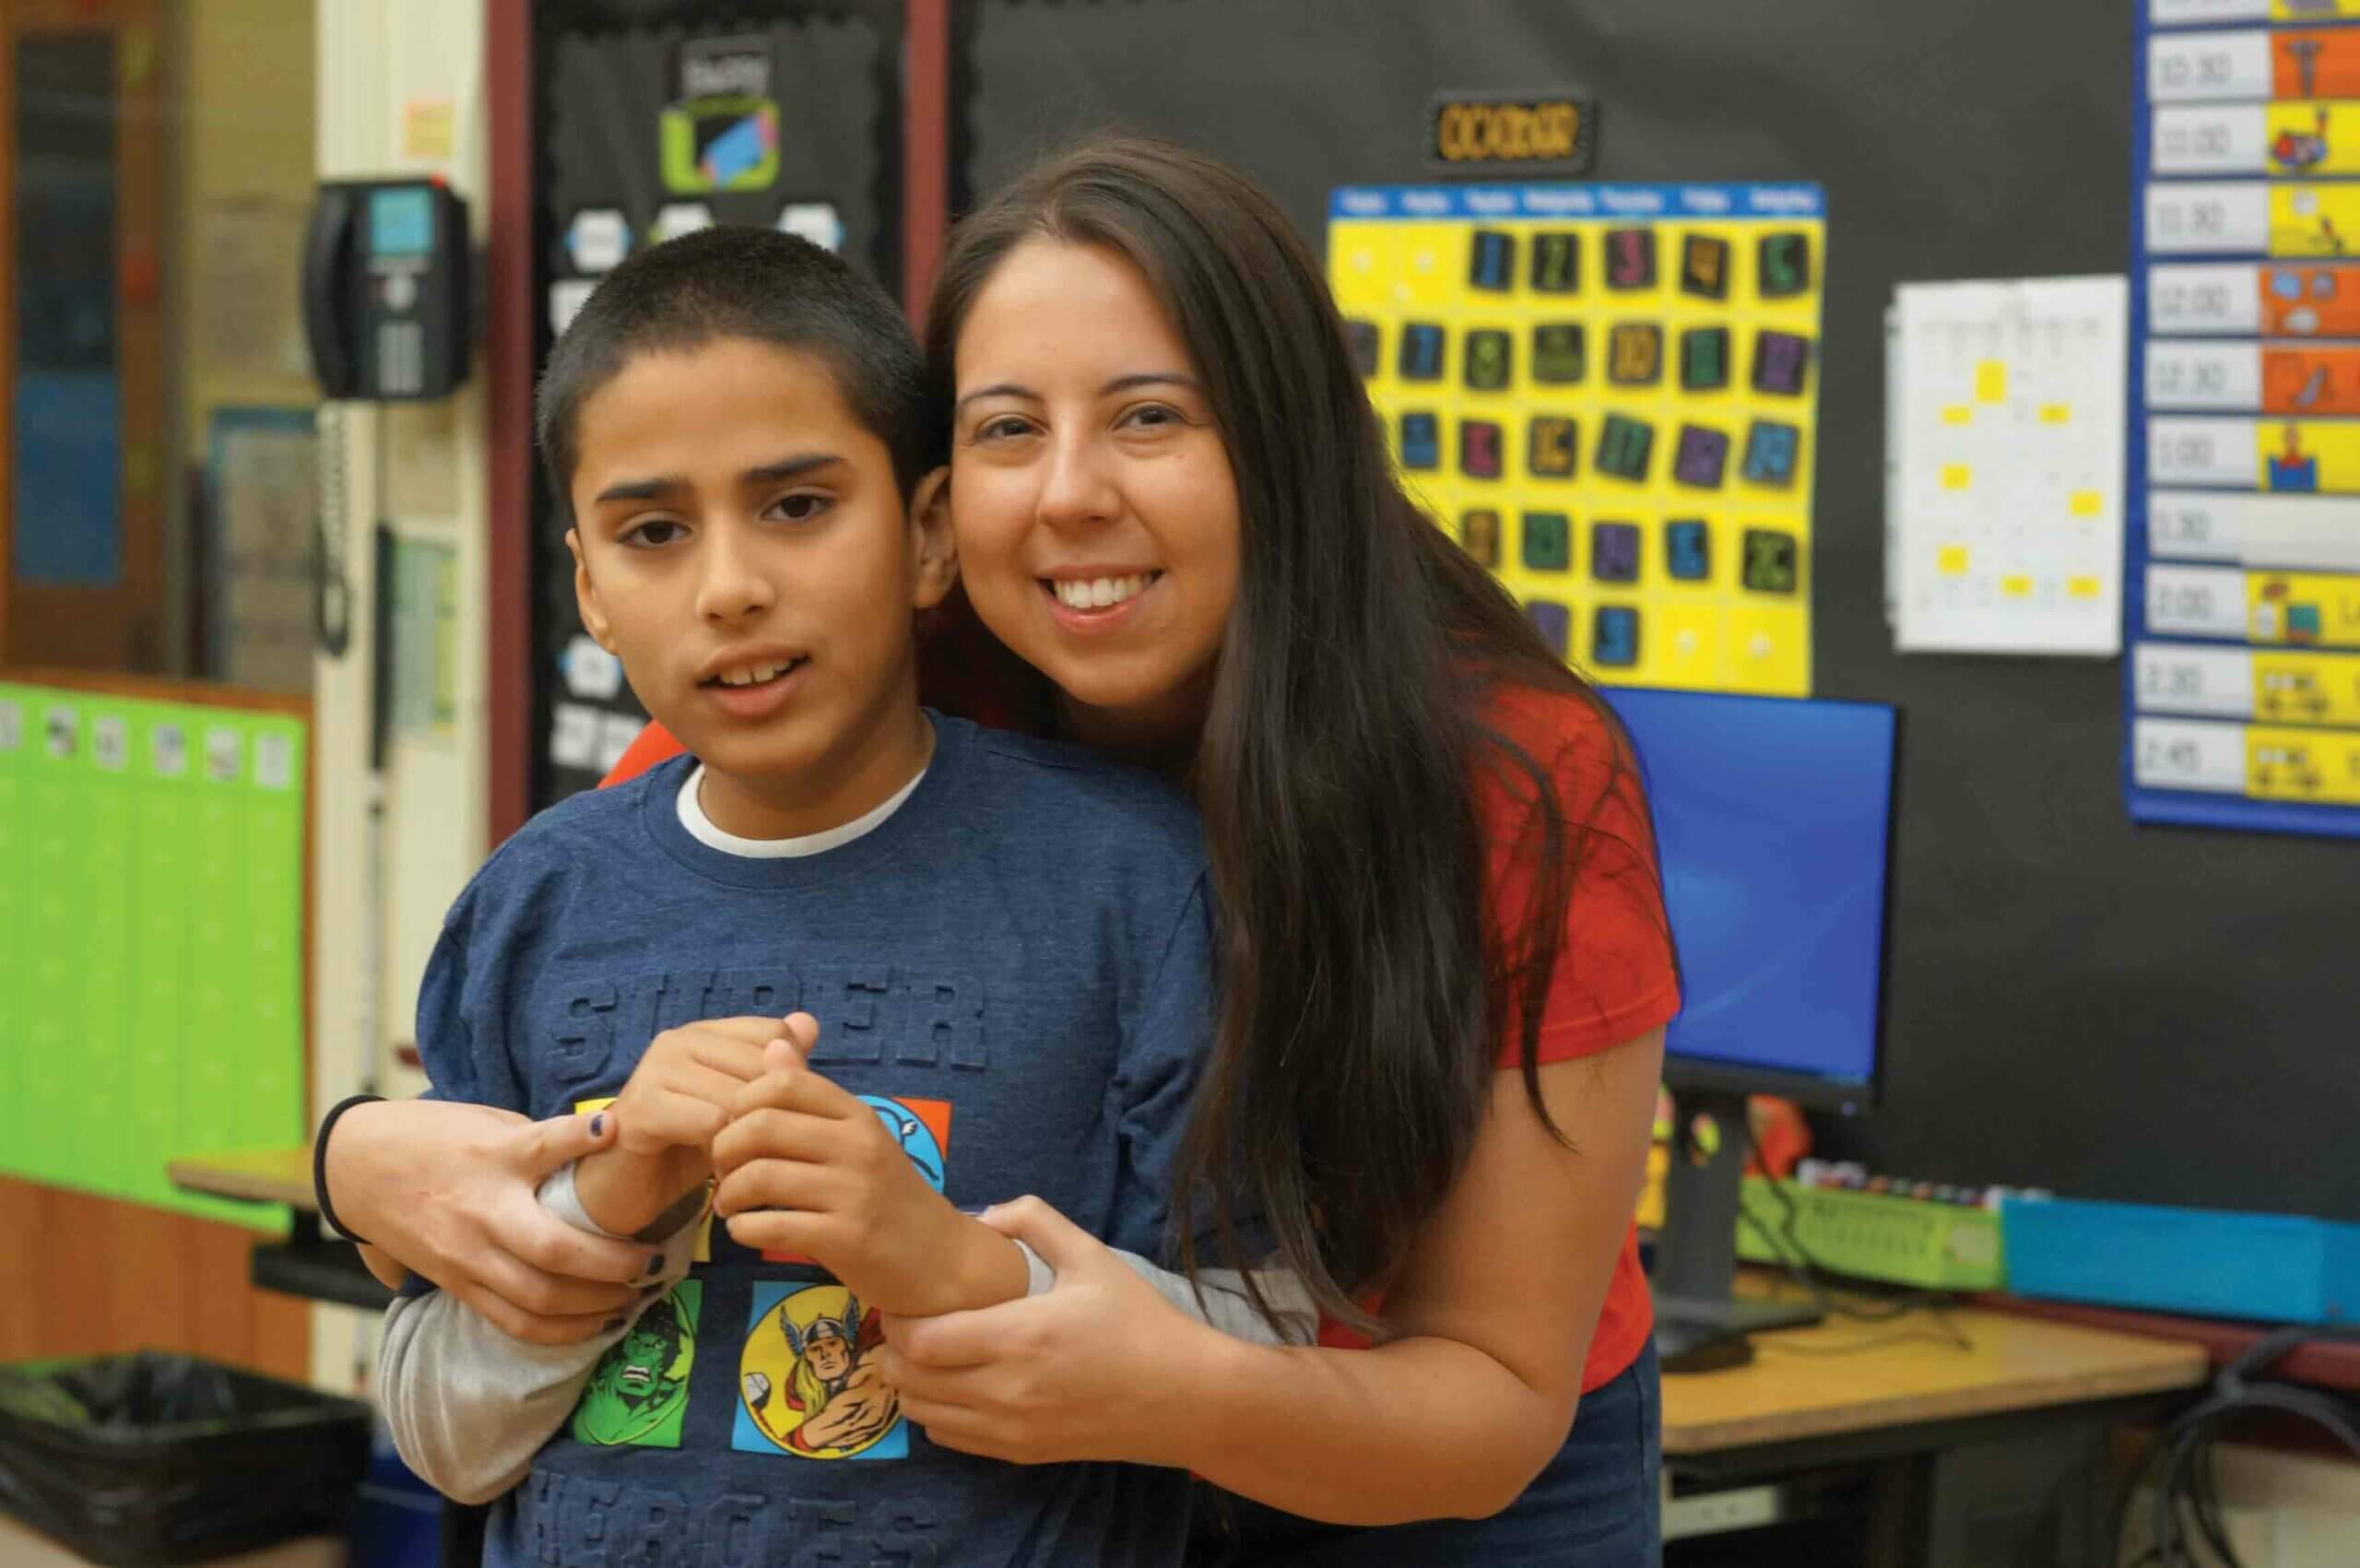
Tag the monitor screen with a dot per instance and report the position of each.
(1772, 816)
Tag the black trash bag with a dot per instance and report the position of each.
(149, 1461)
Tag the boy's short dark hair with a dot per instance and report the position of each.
(750, 283)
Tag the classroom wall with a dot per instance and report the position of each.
(86, 1273)
(245, 134)
(2141, 1014)
(601, 79)
(400, 90)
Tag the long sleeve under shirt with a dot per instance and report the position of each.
(1013, 970)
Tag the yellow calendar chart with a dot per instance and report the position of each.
(1606, 394)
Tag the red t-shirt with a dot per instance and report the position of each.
(653, 744)
(1614, 980)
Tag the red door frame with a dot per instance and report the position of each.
(926, 147)
(507, 387)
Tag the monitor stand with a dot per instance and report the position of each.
(1695, 1260)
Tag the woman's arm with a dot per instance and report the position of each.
(1490, 1324)
(1453, 1416)
(446, 1190)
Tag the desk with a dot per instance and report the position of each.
(254, 1175)
(1990, 1451)
(2323, 1362)
(1808, 1383)
(307, 1263)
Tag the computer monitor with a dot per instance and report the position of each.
(1774, 826)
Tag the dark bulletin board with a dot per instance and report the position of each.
(2153, 1015)
(604, 75)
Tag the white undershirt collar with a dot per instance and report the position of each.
(701, 826)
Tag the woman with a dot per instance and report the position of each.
(1444, 967)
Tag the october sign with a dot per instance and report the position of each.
(1527, 133)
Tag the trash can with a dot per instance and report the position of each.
(147, 1460)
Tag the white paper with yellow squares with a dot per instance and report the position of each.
(2006, 429)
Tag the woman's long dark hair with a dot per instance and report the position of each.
(1365, 983)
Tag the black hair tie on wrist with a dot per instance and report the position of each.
(320, 1161)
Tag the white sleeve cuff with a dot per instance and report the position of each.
(1038, 1275)
(561, 1197)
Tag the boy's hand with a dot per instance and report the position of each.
(808, 1167)
(678, 1098)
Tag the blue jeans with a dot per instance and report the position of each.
(1596, 1505)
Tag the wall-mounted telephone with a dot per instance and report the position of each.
(386, 268)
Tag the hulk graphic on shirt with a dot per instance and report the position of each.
(639, 1391)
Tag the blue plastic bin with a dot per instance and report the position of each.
(396, 1519)
(2210, 1263)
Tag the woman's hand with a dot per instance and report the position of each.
(450, 1191)
(1098, 1368)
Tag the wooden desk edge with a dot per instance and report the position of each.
(2326, 1363)
(252, 1175)
(2176, 1365)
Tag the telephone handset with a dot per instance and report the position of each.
(385, 304)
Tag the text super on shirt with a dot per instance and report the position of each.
(1013, 970)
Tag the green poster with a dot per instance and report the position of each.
(219, 944)
(269, 1111)
(166, 819)
(57, 906)
(98, 1080)
(151, 863)
(14, 845)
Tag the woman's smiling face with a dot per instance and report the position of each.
(1096, 513)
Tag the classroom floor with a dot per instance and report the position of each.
(20, 1547)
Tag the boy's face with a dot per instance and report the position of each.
(741, 544)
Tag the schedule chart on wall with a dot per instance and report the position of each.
(1606, 394)
(2243, 544)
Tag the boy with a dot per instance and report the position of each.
(1001, 949)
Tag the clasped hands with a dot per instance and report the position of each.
(799, 1165)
